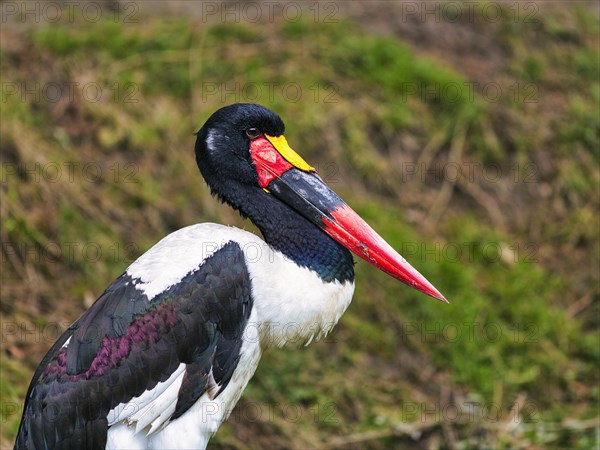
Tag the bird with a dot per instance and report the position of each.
(163, 355)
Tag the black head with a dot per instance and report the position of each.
(223, 143)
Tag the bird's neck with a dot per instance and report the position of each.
(291, 234)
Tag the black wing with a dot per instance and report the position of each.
(125, 344)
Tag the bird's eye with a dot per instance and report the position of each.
(252, 133)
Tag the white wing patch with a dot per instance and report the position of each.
(150, 408)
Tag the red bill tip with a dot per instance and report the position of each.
(350, 230)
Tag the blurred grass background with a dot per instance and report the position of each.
(468, 137)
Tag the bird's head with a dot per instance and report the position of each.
(224, 143)
(243, 145)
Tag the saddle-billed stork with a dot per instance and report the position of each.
(163, 355)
